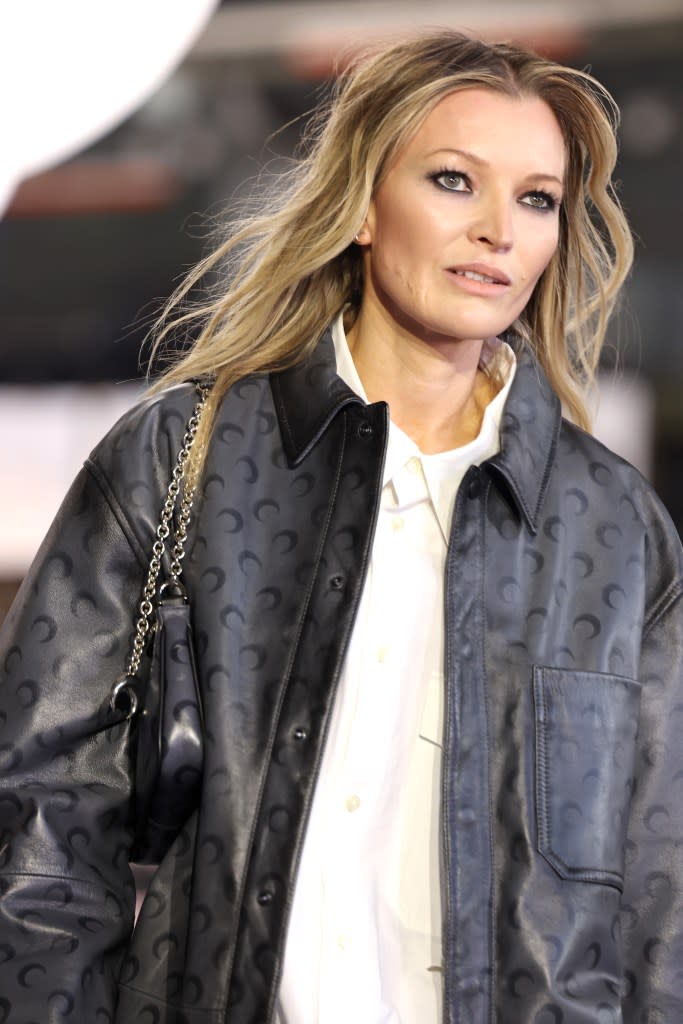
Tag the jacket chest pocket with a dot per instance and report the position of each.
(586, 726)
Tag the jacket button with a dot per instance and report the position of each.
(336, 582)
(300, 733)
(467, 816)
(265, 898)
(364, 429)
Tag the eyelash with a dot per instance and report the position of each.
(551, 201)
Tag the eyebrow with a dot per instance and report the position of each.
(479, 162)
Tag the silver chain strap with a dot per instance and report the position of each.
(146, 608)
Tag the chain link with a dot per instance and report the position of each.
(164, 529)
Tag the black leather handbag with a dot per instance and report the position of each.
(164, 710)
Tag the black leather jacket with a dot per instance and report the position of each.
(562, 810)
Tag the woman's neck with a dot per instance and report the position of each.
(435, 389)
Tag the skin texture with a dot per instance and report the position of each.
(418, 338)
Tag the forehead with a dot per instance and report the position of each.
(493, 126)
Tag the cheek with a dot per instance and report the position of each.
(400, 245)
(538, 257)
(399, 232)
(549, 251)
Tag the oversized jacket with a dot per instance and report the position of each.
(562, 797)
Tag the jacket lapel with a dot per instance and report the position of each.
(529, 434)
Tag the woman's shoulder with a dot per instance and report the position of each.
(133, 461)
(155, 419)
(583, 457)
(615, 490)
(142, 447)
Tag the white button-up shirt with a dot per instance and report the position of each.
(364, 938)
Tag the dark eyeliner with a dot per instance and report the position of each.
(443, 172)
(551, 201)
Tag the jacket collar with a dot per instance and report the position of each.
(309, 395)
(529, 433)
(307, 398)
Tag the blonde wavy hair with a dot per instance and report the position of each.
(287, 268)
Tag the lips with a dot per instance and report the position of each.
(481, 272)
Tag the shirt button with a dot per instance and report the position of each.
(397, 523)
(343, 941)
(413, 465)
(382, 654)
(352, 803)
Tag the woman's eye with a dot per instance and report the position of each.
(452, 181)
(540, 201)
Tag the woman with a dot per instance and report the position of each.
(405, 815)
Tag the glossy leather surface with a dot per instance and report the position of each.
(562, 814)
(168, 736)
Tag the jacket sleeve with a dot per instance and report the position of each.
(66, 891)
(652, 910)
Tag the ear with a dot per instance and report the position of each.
(364, 236)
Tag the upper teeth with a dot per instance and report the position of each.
(477, 277)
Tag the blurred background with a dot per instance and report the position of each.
(90, 248)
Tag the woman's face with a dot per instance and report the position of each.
(467, 217)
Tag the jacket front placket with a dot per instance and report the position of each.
(465, 817)
(360, 434)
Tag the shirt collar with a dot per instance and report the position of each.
(309, 394)
(442, 471)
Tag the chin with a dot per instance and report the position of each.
(458, 327)
(467, 330)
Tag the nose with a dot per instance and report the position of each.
(492, 224)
